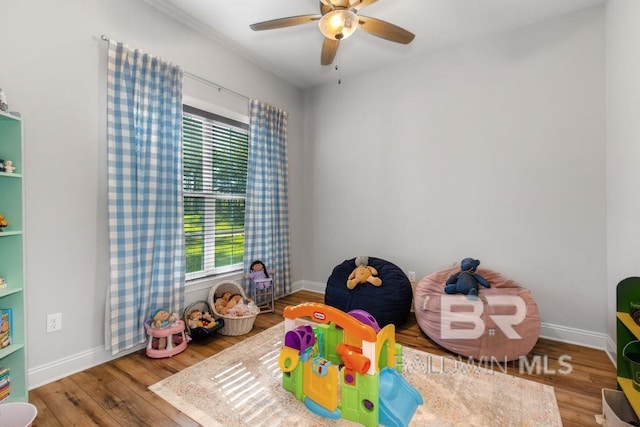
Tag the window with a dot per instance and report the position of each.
(215, 181)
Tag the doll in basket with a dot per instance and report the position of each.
(234, 305)
(258, 276)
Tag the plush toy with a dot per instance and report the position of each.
(363, 273)
(467, 280)
(201, 319)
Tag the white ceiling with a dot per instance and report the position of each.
(294, 52)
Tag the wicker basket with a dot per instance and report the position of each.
(233, 325)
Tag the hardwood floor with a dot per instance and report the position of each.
(116, 394)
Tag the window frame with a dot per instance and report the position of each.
(229, 118)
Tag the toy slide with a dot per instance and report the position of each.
(398, 399)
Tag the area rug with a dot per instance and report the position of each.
(241, 386)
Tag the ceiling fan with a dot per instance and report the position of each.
(338, 19)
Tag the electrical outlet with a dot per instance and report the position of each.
(54, 322)
(412, 276)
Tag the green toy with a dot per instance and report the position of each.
(346, 366)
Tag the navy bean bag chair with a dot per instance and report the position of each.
(388, 303)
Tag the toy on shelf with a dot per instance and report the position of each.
(346, 366)
(166, 334)
(3, 222)
(8, 166)
(3, 101)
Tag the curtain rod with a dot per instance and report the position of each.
(199, 79)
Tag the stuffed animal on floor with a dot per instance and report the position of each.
(466, 281)
(363, 273)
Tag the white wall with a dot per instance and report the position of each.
(623, 147)
(52, 68)
(494, 149)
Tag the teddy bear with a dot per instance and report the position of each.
(466, 281)
(363, 273)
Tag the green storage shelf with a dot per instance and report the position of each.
(14, 356)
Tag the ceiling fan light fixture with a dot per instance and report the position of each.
(334, 3)
(338, 24)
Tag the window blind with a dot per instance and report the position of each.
(215, 152)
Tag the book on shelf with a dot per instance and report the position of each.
(6, 323)
(4, 383)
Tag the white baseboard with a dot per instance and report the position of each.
(52, 371)
(311, 286)
(574, 336)
(612, 351)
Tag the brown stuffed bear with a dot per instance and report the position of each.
(363, 273)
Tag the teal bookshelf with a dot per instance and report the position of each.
(12, 297)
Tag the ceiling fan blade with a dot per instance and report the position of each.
(325, 8)
(329, 50)
(384, 29)
(362, 4)
(284, 22)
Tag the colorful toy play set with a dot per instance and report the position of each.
(346, 366)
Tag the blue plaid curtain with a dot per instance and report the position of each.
(146, 234)
(267, 203)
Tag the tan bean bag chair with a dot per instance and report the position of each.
(502, 325)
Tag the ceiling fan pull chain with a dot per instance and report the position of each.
(338, 55)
